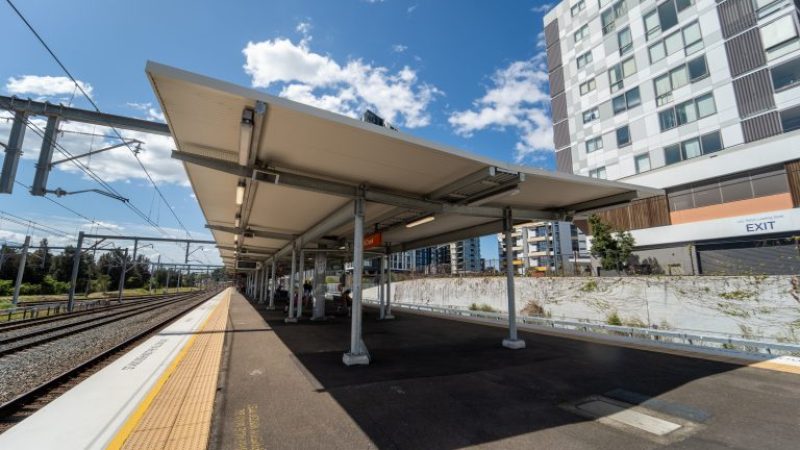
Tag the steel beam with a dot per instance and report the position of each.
(34, 108)
(252, 233)
(600, 203)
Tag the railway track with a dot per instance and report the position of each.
(22, 405)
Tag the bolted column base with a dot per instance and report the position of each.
(319, 319)
(514, 344)
(388, 317)
(355, 359)
(290, 320)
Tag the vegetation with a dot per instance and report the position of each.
(612, 247)
(613, 319)
(483, 307)
(737, 295)
(589, 286)
(49, 274)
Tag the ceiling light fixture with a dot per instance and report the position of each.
(245, 136)
(237, 220)
(420, 221)
(240, 193)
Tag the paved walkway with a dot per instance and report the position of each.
(444, 384)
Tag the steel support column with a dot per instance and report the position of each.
(319, 288)
(358, 350)
(39, 186)
(301, 290)
(76, 262)
(382, 288)
(292, 318)
(122, 274)
(273, 287)
(513, 342)
(388, 314)
(21, 269)
(13, 153)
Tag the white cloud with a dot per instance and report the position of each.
(304, 28)
(399, 48)
(544, 7)
(151, 113)
(517, 98)
(348, 88)
(45, 86)
(412, 8)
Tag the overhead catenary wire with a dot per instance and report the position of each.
(97, 108)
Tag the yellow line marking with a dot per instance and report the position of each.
(133, 420)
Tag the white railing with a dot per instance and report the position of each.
(669, 337)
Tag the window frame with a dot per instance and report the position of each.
(642, 157)
(591, 86)
(628, 134)
(594, 140)
(595, 115)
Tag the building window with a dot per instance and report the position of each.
(609, 17)
(786, 75)
(588, 86)
(667, 15)
(619, 72)
(651, 24)
(581, 34)
(623, 136)
(578, 7)
(683, 4)
(730, 188)
(766, 7)
(626, 101)
(625, 41)
(790, 119)
(687, 112)
(594, 144)
(584, 59)
(602, 3)
(678, 77)
(692, 148)
(642, 163)
(689, 39)
(698, 69)
(780, 37)
(600, 173)
(591, 115)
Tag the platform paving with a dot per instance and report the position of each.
(442, 384)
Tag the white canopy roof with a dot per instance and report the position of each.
(302, 167)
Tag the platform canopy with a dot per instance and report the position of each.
(267, 171)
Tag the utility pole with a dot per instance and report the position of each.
(21, 269)
(75, 266)
(152, 273)
(122, 275)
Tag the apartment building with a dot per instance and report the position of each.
(546, 247)
(697, 97)
(455, 257)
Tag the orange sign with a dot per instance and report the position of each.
(373, 240)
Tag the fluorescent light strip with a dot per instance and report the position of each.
(420, 221)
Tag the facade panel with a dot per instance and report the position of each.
(745, 52)
(754, 93)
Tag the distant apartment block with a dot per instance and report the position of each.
(546, 247)
(698, 97)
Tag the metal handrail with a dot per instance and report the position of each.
(663, 336)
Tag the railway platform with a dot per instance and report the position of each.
(233, 375)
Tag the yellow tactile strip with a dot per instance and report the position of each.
(179, 416)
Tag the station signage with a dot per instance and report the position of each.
(373, 240)
(749, 225)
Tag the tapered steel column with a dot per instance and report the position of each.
(13, 153)
(513, 342)
(388, 314)
(301, 284)
(382, 288)
(358, 351)
(319, 288)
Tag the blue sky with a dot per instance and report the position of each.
(465, 73)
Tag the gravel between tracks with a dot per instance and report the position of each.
(25, 370)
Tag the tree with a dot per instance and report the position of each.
(612, 247)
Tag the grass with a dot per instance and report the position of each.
(589, 286)
(737, 295)
(613, 319)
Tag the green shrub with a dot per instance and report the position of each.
(6, 287)
(737, 295)
(613, 319)
(483, 307)
(589, 286)
(30, 289)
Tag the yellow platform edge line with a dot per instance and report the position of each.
(133, 420)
